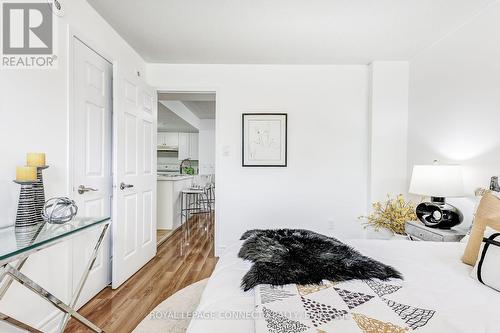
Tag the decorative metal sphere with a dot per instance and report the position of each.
(59, 210)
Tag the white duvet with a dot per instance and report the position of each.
(435, 280)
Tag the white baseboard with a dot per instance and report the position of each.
(51, 322)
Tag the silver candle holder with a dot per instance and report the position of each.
(26, 209)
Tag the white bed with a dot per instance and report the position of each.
(432, 269)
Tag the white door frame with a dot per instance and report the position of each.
(218, 108)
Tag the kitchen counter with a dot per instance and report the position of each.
(169, 189)
(173, 178)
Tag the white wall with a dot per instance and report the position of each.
(326, 177)
(206, 147)
(388, 113)
(454, 105)
(34, 113)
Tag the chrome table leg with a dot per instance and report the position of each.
(34, 287)
(3, 317)
(84, 277)
(8, 281)
(13, 273)
(16, 323)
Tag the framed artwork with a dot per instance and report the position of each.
(264, 140)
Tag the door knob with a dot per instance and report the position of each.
(82, 189)
(124, 186)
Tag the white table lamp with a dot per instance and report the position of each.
(438, 182)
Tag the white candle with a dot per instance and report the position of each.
(25, 173)
(35, 159)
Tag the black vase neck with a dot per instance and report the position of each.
(438, 200)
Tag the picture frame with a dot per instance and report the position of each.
(264, 139)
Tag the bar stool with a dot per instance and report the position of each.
(206, 182)
(193, 201)
(209, 196)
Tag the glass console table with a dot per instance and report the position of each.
(17, 244)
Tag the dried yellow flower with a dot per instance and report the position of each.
(391, 214)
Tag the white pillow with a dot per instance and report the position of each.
(487, 268)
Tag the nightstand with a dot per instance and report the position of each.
(417, 231)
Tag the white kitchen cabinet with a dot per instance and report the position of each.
(172, 139)
(184, 146)
(167, 139)
(193, 146)
(160, 139)
(188, 146)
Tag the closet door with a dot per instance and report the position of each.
(91, 136)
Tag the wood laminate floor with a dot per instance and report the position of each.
(162, 235)
(174, 267)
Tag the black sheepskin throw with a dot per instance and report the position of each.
(299, 256)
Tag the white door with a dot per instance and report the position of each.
(193, 146)
(134, 148)
(183, 146)
(91, 135)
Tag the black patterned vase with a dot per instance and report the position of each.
(26, 209)
(26, 236)
(39, 194)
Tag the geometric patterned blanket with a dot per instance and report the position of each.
(369, 306)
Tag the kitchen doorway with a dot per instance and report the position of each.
(185, 161)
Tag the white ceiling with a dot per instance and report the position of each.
(168, 121)
(284, 31)
(201, 104)
(186, 96)
(201, 109)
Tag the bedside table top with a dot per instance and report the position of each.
(452, 231)
(419, 231)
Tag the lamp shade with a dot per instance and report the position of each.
(437, 180)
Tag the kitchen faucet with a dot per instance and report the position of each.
(182, 164)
